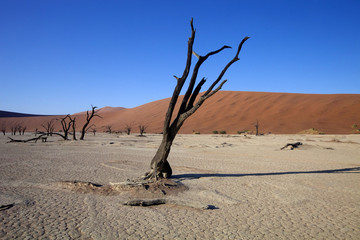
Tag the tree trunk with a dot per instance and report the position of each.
(257, 127)
(160, 167)
(88, 119)
(82, 134)
(73, 127)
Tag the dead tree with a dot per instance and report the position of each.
(160, 167)
(128, 129)
(49, 127)
(23, 130)
(19, 129)
(94, 131)
(142, 129)
(13, 129)
(73, 124)
(257, 127)
(108, 129)
(3, 128)
(89, 116)
(66, 125)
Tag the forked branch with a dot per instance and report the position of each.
(160, 167)
(180, 81)
(187, 107)
(190, 108)
(89, 116)
(201, 60)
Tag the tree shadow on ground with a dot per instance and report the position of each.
(202, 175)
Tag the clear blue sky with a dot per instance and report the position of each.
(60, 56)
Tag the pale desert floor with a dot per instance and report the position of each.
(255, 190)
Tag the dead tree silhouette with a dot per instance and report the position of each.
(89, 116)
(73, 124)
(257, 128)
(49, 127)
(66, 125)
(128, 128)
(3, 128)
(160, 167)
(142, 129)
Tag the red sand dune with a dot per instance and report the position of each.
(281, 113)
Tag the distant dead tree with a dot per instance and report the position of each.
(13, 129)
(160, 167)
(23, 128)
(73, 124)
(18, 129)
(66, 125)
(128, 128)
(257, 127)
(49, 127)
(89, 116)
(3, 128)
(94, 131)
(142, 129)
(108, 129)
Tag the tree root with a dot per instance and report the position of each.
(152, 176)
(155, 174)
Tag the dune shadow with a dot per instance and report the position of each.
(202, 175)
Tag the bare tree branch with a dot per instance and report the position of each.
(181, 80)
(160, 167)
(49, 127)
(189, 91)
(65, 126)
(236, 58)
(88, 119)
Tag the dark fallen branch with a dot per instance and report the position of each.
(42, 137)
(61, 135)
(145, 203)
(292, 145)
(159, 201)
(6, 207)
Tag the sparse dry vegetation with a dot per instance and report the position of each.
(311, 131)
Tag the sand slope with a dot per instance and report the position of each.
(236, 111)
